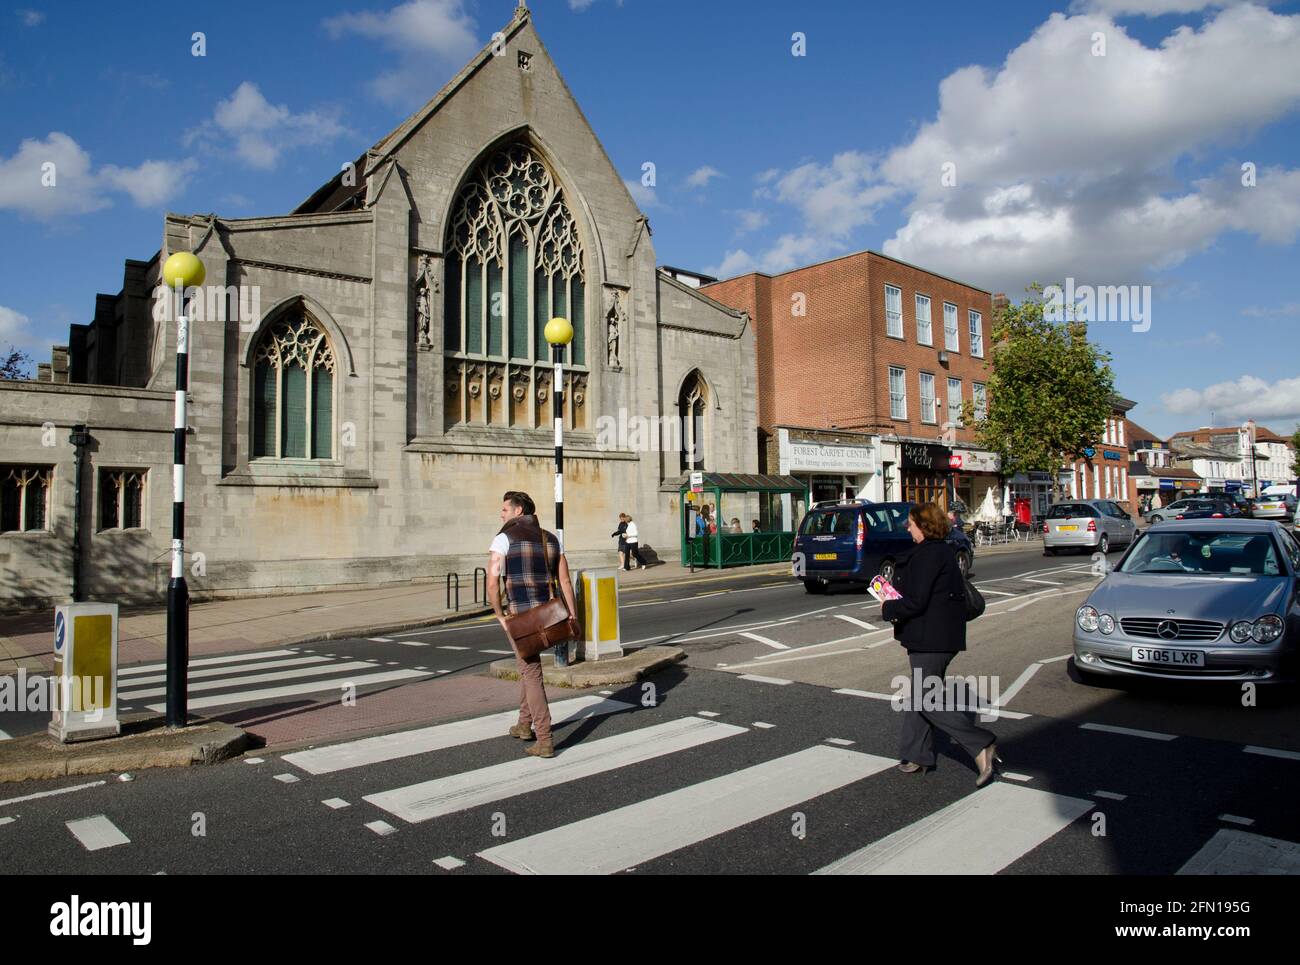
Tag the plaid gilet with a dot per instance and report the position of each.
(528, 567)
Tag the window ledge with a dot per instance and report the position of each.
(322, 475)
(27, 534)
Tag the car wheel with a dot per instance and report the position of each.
(1049, 551)
(1103, 544)
(887, 570)
(1155, 518)
(814, 586)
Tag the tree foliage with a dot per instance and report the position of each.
(14, 364)
(1050, 390)
(1295, 453)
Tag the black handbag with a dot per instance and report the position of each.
(972, 599)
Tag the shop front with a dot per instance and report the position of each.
(926, 470)
(1028, 496)
(833, 465)
(977, 482)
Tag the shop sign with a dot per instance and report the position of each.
(810, 457)
(920, 455)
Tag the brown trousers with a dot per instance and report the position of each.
(533, 708)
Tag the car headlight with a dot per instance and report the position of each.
(1106, 623)
(1267, 629)
(1240, 632)
(1087, 618)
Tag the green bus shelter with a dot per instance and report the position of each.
(754, 515)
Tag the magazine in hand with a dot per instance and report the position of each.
(883, 590)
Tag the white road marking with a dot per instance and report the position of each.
(449, 863)
(840, 742)
(4, 736)
(7, 820)
(227, 669)
(858, 623)
(287, 778)
(458, 792)
(381, 639)
(412, 643)
(254, 760)
(1013, 776)
(765, 680)
(1044, 582)
(1236, 819)
(381, 828)
(1273, 752)
(54, 793)
(1110, 795)
(336, 803)
(1064, 656)
(1131, 732)
(1233, 852)
(995, 592)
(448, 646)
(423, 740)
(763, 726)
(261, 678)
(1006, 695)
(207, 661)
(766, 641)
(246, 696)
(508, 653)
(982, 833)
(632, 835)
(708, 713)
(864, 693)
(97, 833)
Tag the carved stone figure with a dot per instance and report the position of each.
(614, 320)
(426, 285)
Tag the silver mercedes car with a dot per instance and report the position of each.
(1203, 599)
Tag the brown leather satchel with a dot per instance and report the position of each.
(542, 626)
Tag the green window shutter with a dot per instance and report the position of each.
(495, 307)
(322, 413)
(579, 322)
(263, 409)
(559, 298)
(541, 314)
(451, 306)
(293, 412)
(107, 501)
(473, 306)
(518, 298)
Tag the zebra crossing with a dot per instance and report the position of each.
(245, 678)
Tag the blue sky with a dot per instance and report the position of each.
(1113, 165)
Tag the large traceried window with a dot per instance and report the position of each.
(692, 404)
(514, 260)
(293, 391)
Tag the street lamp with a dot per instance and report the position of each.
(181, 271)
(559, 333)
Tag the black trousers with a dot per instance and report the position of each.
(633, 552)
(917, 743)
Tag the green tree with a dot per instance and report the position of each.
(14, 364)
(1049, 392)
(1295, 452)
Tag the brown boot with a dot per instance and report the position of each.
(523, 731)
(543, 748)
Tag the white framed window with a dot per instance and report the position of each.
(924, 330)
(951, 338)
(893, 311)
(1121, 432)
(954, 401)
(980, 398)
(928, 413)
(897, 393)
(976, 322)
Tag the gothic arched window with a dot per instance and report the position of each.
(293, 391)
(692, 405)
(514, 260)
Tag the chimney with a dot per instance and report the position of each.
(59, 364)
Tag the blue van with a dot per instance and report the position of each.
(851, 542)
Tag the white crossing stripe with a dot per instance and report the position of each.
(839, 742)
(237, 668)
(97, 833)
(295, 690)
(629, 836)
(4, 736)
(207, 661)
(1233, 852)
(458, 792)
(1110, 795)
(857, 623)
(1129, 731)
(449, 863)
(7, 820)
(765, 680)
(763, 726)
(507, 653)
(1274, 752)
(381, 639)
(766, 641)
(411, 643)
(448, 646)
(407, 743)
(261, 678)
(287, 778)
(979, 835)
(336, 803)
(381, 828)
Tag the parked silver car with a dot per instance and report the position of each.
(1274, 507)
(1203, 599)
(1097, 524)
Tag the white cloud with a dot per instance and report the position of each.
(1150, 8)
(750, 220)
(258, 131)
(30, 18)
(788, 251)
(1256, 311)
(700, 177)
(580, 5)
(15, 330)
(644, 197)
(77, 187)
(431, 38)
(1248, 397)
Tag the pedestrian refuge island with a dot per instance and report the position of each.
(766, 509)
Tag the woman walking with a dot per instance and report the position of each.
(529, 558)
(633, 545)
(930, 622)
(622, 541)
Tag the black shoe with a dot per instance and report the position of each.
(907, 767)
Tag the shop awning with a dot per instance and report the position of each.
(746, 482)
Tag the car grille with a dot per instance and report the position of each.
(1187, 629)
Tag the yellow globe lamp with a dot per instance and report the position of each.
(182, 269)
(558, 331)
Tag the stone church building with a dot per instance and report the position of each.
(359, 425)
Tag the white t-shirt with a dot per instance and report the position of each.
(500, 544)
(630, 536)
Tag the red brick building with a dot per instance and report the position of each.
(863, 363)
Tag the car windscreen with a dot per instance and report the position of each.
(1071, 511)
(1204, 553)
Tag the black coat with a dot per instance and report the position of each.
(622, 543)
(931, 616)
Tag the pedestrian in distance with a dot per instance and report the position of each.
(529, 559)
(702, 522)
(930, 622)
(754, 527)
(633, 539)
(735, 525)
(622, 541)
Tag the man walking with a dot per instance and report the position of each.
(530, 560)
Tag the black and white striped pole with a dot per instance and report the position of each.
(559, 333)
(181, 271)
